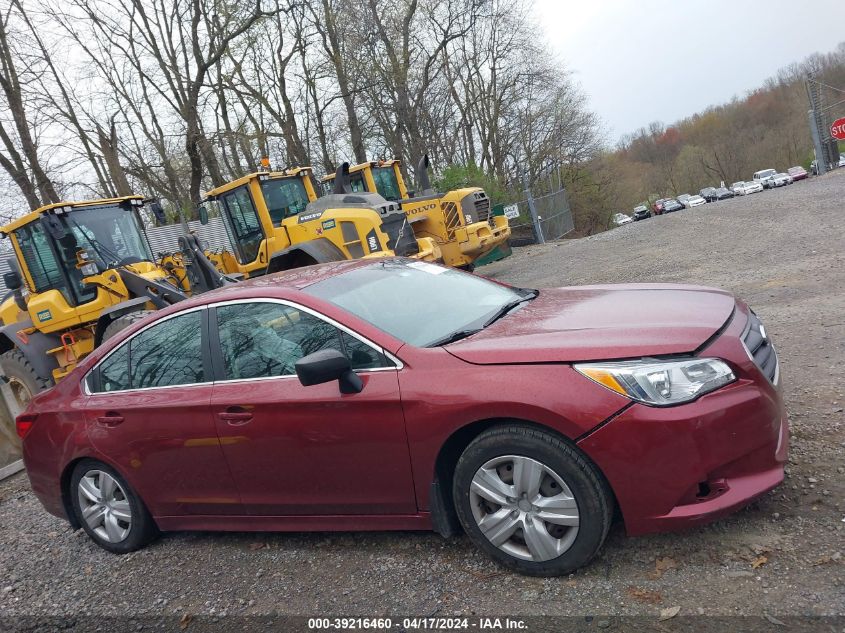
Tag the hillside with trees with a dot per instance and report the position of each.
(169, 99)
(767, 128)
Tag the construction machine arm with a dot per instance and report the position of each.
(203, 274)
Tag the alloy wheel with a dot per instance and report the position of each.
(104, 506)
(524, 508)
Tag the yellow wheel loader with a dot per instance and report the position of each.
(81, 272)
(275, 221)
(459, 221)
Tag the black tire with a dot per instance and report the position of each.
(24, 381)
(143, 528)
(123, 322)
(586, 483)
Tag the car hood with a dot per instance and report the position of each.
(601, 323)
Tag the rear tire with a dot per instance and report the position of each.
(123, 322)
(107, 508)
(24, 381)
(555, 527)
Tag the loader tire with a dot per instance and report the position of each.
(24, 381)
(123, 322)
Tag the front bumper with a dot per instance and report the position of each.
(677, 467)
(479, 238)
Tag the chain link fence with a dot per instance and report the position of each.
(554, 218)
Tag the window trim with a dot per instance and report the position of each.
(206, 356)
(216, 350)
(211, 347)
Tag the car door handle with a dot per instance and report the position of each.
(235, 416)
(110, 419)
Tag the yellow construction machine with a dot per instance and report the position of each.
(458, 221)
(80, 272)
(275, 221)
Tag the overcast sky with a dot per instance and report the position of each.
(666, 59)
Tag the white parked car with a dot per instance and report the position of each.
(745, 188)
(781, 180)
(620, 218)
(765, 176)
(683, 198)
(694, 201)
(842, 160)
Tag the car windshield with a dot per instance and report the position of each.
(419, 303)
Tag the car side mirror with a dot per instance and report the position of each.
(12, 279)
(327, 365)
(202, 211)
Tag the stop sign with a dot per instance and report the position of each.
(837, 129)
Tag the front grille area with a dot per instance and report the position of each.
(760, 348)
(482, 207)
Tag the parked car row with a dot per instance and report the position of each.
(763, 179)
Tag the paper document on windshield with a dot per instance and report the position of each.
(431, 269)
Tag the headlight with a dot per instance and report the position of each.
(660, 383)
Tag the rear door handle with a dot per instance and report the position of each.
(110, 419)
(235, 416)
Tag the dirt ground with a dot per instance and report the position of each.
(782, 251)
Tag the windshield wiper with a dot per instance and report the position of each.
(469, 331)
(454, 336)
(505, 309)
(95, 244)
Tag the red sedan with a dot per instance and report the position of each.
(400, 395)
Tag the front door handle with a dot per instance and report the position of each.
(235, 416)
(111, 418)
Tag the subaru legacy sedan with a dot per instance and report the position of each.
(401, 395)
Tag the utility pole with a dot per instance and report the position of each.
(821, 162)
(532, 209)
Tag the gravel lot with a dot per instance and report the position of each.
(782, 251)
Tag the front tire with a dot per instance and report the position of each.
(24, 381)
(531, 500)
(123, 322)
(108, 509)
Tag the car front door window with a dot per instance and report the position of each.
(264, 340)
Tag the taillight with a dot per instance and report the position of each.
(24, 422)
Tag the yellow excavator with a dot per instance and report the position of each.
(275, 221)
(81, 272)
(459, 221)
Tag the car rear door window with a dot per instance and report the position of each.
(164, 355)
(169, 353)
(263, 340)
(114, 371)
